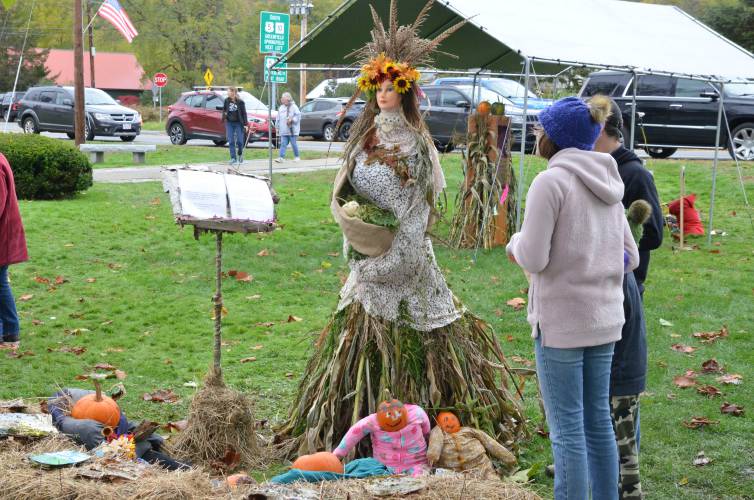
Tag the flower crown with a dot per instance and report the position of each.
(382, 68)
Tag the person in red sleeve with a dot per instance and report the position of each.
(12, 251)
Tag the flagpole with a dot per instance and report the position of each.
(93, 18)
(91, 43)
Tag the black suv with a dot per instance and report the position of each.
(675, 112)
(50, 109)
(320, 116)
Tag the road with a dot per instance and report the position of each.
(161, 138)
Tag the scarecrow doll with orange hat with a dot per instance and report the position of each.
(464, 449)
(398, 328)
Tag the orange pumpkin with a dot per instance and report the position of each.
(392, 416)
(448, 422)
(97, 407)
(324, 461)
(484, 107)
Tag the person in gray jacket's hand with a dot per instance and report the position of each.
(288, 126)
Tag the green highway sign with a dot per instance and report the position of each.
(274, 29)
(276, 75)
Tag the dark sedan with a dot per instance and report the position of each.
(319, 118)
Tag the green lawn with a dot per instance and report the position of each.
(138, 294)
(154, 125)
(175, 155)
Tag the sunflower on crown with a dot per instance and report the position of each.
(382, 68)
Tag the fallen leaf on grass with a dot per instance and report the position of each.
(664, 322)
(40, 279)
(258, 347)
(684, 381)
(24, 298)
(516, 303)
(523, 361)
(509, 338)
(75, 331)
(294, 319)
(59, 280)
(250, 359)
(498, 313)
(685, 349)
(91, 280)
(120, 374)
(37, 322)
(697, 422)
(733, 378)
(177, 426)
(77, 350)
(289, 374)
(701, 459)
(731, 409)
(709, 390)
(191, 384)
(263, 253)
(334, 254)
(114, 349)
(254, 297)
(19, 354)
(104, 366)
(105, 323)
(709, 337)
(683, 482)
(161, 396)
(114, 266)
(711, 366)
(266, 324)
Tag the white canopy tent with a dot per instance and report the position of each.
(515, 35)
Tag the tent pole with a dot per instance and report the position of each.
(633, 112)
(710, 227)
(269, 123)
(520, 189)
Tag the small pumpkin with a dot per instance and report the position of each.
(498, 109)
(97, 407)
(324, 461)
(392, 416)
(483, 108)
(448, 422)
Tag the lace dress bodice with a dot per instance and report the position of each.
(404, 284)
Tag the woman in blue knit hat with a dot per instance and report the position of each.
(576, 245)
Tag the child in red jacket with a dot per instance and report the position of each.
(12, 251)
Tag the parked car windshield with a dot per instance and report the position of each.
(482, 94)
(508, 88)
(252, 103)
(97, 97)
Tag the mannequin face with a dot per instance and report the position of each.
(387, 98)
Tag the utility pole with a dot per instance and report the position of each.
(91, 44)
(302, 9)
(78, 74)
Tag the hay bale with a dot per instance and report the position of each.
(220, 419)
(21, 479)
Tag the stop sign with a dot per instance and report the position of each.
(160, 79)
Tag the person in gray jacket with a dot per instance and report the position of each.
(288, 125)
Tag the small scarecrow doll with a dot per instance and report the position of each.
(399, 437)
(464, 449)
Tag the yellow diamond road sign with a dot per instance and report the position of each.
(208, 77)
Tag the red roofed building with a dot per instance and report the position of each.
(117, 73)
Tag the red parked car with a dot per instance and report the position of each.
(198, 115)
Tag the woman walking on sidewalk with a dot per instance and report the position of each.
(12, 251)
(236, 121)
(288, 125)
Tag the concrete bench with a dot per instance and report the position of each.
(97, 151)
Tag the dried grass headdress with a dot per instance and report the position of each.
(395, 53)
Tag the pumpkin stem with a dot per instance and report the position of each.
(98, 388)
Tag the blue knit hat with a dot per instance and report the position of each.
(568, 122)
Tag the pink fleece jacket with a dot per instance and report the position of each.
(405, 451)
(572, 241)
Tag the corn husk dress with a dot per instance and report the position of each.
(398, 330)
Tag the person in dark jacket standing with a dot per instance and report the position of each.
(12, 251)
(629, 367)
(639, 185)
(236, 122)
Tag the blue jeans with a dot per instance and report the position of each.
(9, 326)
(575, 386)
(235, 136)
(284, 141)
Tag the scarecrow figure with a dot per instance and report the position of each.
(464, 449)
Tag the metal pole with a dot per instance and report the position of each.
(633, 112)
(269, 125)
(302, 80)
(159, 92)
(218, 303)
(711, 227)
(78, 75)
(520, 189)
(20, 62)
(683, 195)
(91, 45)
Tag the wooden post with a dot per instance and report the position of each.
(78, 75)
(91, 45)
(218, 301)
(683, 195)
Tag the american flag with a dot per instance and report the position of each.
(113, 12)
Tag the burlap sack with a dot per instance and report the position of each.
(367, 239)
